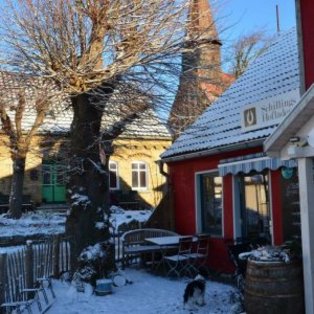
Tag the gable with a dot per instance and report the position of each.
(272, 75)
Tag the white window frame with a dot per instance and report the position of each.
(198, 211)
(139, 162)
(116, 171)
(237, 232)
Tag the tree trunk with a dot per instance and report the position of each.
(16, 193)
(88, 187)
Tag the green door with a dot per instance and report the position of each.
(53, 189)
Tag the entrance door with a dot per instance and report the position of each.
(53, 189)
(254, 206)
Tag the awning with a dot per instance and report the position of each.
(257, 162)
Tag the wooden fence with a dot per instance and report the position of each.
(21, 269)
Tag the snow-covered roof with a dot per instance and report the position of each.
(274, 73)
(147, 125)
(58, 120)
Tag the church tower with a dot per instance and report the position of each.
(201, 80)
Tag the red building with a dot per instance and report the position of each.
(222, 182)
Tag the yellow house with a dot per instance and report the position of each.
(135, 180)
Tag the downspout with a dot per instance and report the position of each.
(168, 192)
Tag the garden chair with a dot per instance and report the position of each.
(199, 256)
(240, 264)
(178, 263)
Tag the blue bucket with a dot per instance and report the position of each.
(103, 287)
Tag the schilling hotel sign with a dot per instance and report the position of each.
(269, 111)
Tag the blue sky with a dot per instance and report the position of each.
(245, 16)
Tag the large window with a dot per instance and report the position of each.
(254, 206)
(139, 175)
(113, 175)
(210, 203)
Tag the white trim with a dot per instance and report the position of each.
(140, 189)
(198, 226)
(236, 210)
(271, 212)
(117, 175)
(198, 222)
(222, 208)
(237, 227)
(258, 164)
(196, 206)
(307, 221)
(300, 152)
(212, 151)
(292, 123)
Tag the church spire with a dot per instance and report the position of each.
(201, 67)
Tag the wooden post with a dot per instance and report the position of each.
(55, 256)
(29, 277)
(306, 186)
(3, 267)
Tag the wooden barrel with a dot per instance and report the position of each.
(274, 288)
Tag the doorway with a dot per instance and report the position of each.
(53, 183)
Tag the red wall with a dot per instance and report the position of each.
(182, 174)
(307, 25)
(276, 207)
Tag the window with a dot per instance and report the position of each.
(210, 203)
(139, 175)
(113, 175)
(254, 209)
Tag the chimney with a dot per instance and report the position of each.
(201, 67)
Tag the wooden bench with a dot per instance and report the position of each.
(134, 245)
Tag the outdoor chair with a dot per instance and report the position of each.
(178, 263)
(199, 256)
(27, 278)
(240, 265)
(22, 299)
(243, 245)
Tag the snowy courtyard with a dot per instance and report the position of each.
(146, 294)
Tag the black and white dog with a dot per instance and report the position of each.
(194, 293)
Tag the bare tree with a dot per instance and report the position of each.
(97, 52)
(24, 103)
(246, 49)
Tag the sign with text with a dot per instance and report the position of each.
(269, 111)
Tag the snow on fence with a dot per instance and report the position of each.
(47, 258)
(21, 269)
(117, 233)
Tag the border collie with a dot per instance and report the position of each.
(194, 293)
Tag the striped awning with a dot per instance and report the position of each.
(257, 162)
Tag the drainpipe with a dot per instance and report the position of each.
(168, 191)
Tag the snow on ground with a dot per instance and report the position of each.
(38, 222)
(147, 294)
(49, 223)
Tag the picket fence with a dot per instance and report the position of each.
(21, 269)
(48, 258)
